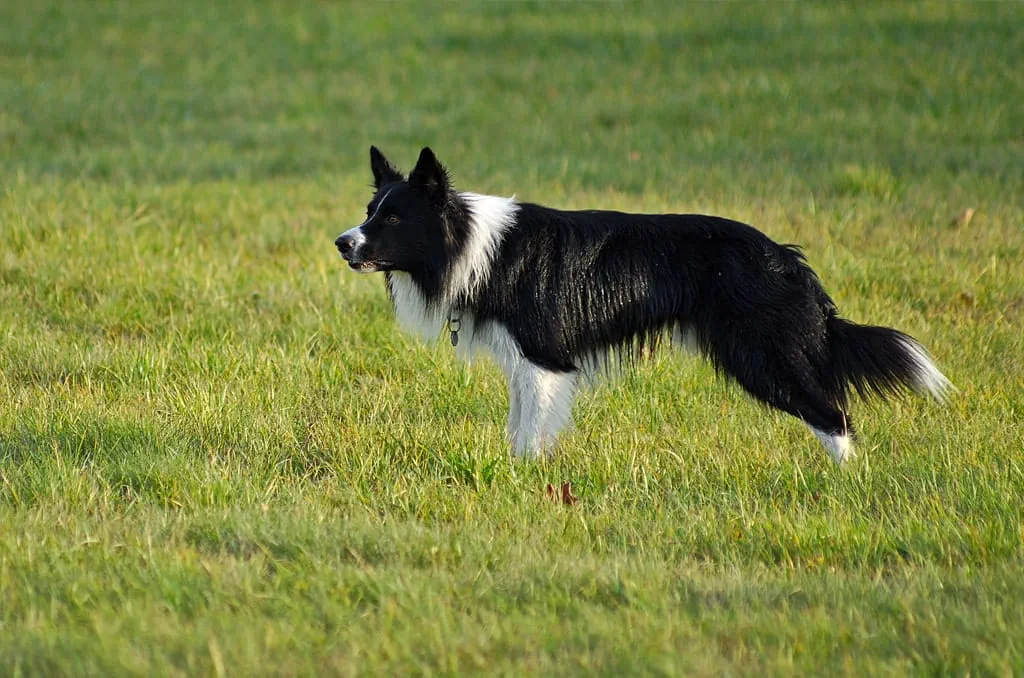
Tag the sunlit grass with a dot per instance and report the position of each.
(218, 455)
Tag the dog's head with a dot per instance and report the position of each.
(406, 221)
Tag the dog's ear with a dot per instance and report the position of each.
(383, 171)
(430, 175)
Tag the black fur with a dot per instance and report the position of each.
(569, 286)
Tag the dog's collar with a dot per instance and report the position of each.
(454, 325)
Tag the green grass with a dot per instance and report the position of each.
(218, 455)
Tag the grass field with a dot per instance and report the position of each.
(218, 456)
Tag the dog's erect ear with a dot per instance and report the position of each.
(430, 175)
(383, 171)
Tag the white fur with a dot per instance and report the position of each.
(379, 205)
(413, 312)
(492, 338)
(838, 445)
(490, 217)
(927, 377)
(541, 401)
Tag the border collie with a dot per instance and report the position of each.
(556, 295)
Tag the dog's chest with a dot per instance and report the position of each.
(412, 310)
(417, 316)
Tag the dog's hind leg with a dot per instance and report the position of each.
(837, 443)
(795, 390)
(544, 400)
(830, 424)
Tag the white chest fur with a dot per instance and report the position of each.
(425, 320)
(413, 312)
(540, 401)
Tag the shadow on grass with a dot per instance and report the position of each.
(93, 461)
(80, 440)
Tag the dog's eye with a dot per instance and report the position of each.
(391, 219)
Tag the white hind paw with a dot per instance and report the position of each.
(839, 445)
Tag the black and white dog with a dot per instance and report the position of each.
(556, 295)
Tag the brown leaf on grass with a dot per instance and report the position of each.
(564, 495)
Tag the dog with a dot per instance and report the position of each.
(556, 295)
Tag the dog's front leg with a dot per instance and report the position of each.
(540, 407)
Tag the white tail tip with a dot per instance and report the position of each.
(927, 378)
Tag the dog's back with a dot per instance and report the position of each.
(552, 292)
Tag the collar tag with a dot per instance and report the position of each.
(454, 325)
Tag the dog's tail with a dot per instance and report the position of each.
(882, 361)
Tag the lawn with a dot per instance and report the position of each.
(219, 456)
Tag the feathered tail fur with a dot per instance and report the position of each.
(880, 361)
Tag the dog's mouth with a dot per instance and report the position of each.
(367, 265)
(356, 262)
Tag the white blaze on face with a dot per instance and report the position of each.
(359, 238)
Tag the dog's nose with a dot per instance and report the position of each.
(344, 244)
